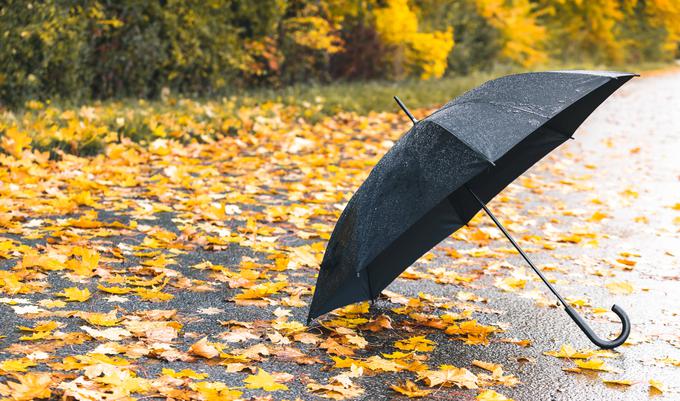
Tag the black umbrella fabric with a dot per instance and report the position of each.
(444, 169)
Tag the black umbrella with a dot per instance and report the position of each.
(445, 169)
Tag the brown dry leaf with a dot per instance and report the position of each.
(338, 388)
(333, 347)
(620, 287)
(486, 365)
(449, 376)
(110, 334)
(380, 323)
(204, 349)
(295, 355)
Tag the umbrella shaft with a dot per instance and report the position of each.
(519, 249)
(406, 110)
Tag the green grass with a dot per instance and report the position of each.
(363, 97)
(220, 114)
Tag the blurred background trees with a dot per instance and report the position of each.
(83, 49)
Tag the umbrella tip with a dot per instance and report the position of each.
(405, 109)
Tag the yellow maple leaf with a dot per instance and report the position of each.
(669, 361)
(15, 141)
(510, 284)
(619, 287)
(42, 326)
(38, 335)
(88, 263)
(593, 364)
(261, 290)
(417, 343)
(410, 389)
(52, 303)
(598, 216)
(490, 395)
(264, 381)
(378, 364)
(29, 386)
(215, 391)
(16, 365)
(114, 290)
(569, 352)
(475, 333)
(101, 319)
(656, 386)
(630, 193)
(617, 382)
(75, 294)
(184, 373)
(153, 295)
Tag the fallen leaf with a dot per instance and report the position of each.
(75, 294)
(203, 348)
(264, 381)
(490, 395)
(619, 287)
(410, 389)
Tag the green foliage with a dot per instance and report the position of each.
(76, 50)
(41, 50)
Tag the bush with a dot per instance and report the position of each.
(75, 50)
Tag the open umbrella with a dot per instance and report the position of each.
(445, 169)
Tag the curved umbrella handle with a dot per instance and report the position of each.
(606, 344)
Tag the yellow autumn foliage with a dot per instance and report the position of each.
(517, 20)
(424, 53)
(666, 14)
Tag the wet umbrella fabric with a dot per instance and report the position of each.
(426, 186)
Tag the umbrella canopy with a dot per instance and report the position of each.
(442, 171)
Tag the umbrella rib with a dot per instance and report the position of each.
(414, 120)
(472, 148)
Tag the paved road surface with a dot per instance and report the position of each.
(625, 161)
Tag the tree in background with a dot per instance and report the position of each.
(413, 52)
(522, 37)
(84, 49)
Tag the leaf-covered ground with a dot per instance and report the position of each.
(184, 270)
